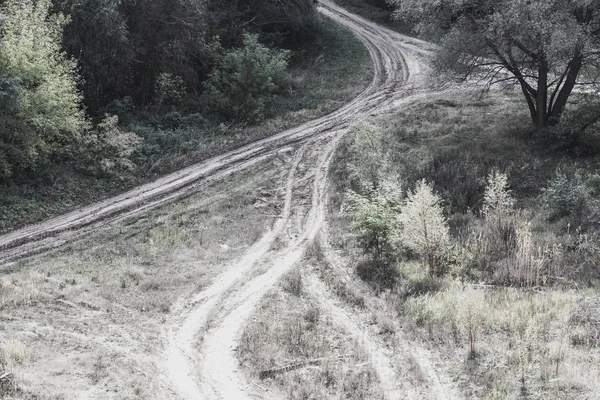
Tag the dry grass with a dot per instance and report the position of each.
(289, 329)
(511, 342)
(95, 310)
(518, 313)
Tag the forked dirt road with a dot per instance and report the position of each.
(397, 65)
(204, 331)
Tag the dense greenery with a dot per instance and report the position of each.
(178, 128)
(67, 66)
(41, 106)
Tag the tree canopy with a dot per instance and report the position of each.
(546, 47)
(41, 105)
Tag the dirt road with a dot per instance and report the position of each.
(202, 362)
(397, 63)
(204, 331)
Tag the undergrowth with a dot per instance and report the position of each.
(514, 299)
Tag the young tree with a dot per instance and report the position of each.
(544, 46)
(423, 227)
(40, 109)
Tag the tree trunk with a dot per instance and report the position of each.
(556, 110)
(541, 98)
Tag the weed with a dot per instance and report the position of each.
(15, 354)
(292, 282)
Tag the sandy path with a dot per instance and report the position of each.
(204, 331)
(212, 371)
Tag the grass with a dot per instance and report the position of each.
(291, 329)
(324, 77)
(505, 333)
(93, 313)
(512, 343)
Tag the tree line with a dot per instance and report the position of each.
(66, 66)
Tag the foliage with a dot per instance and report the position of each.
(107, 150)
(423, 228)
(542, 46)
(124, 46)
(577, 121)
(41, 105)
(169, 89)
(498, 206)
(365, 157)
(244, 80)
(566, 195)
(291, 22)
(373, 219)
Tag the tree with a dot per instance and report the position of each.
(423, 227)
(40, 106)
(245, 80)
(546, 47)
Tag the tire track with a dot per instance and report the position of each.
(396, 61)
(205, 330)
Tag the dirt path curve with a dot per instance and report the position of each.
(438, 386)
(206, 331)
(396, 61)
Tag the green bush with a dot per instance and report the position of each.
(566, 196)
(169, 89)
(373, 219)
(245, 80)
(498, 209)
(106, 150)
(364, 159)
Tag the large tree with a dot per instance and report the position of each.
(546, 47)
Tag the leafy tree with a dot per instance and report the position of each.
(40, 104)
(544, 46)
(423, 228)
(245, 80)
(373, 218)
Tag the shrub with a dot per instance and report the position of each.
(373, 219)
(423, 228)
(498, 204)
(566, 196)
(107, 150)
(471, 309)
(365, 157)
(169, 89)
(245, 80)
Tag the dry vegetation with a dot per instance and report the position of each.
(515, 310)
(293, 346)
(88, 320)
